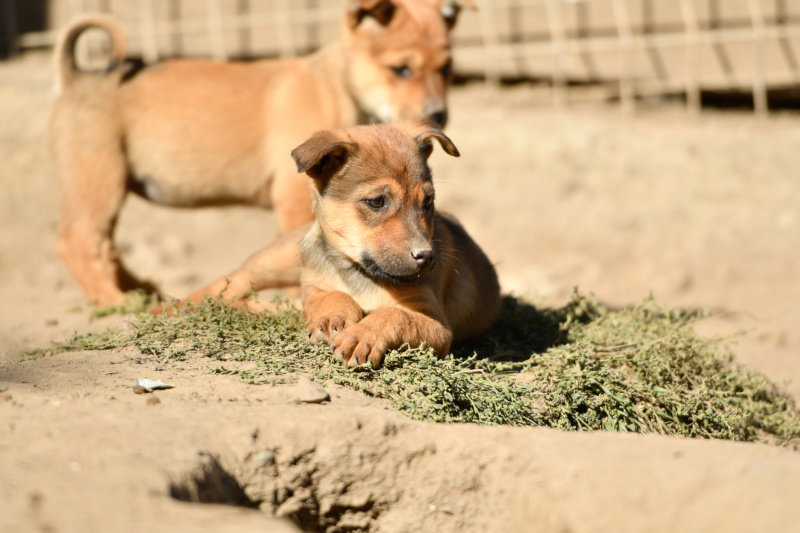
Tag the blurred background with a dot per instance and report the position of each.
(743, 52)
(626, 147)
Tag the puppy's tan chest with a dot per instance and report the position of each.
(367, 295)
(374, 300)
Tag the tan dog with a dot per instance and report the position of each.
(380, 268)
(192, 133)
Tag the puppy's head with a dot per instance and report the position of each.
(373, 195)
(398, 56)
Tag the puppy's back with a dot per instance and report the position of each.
(471, 291)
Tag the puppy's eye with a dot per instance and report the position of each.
(427, 203)
(377, 203)
(402, 71)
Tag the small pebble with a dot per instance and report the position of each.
(51, 322)
(309, 392)
(138, 389)
(265, 458)
(36, 499)
(153, 400)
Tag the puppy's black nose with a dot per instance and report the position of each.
(440, 117)
(423, 258)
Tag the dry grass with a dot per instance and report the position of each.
(580, 367)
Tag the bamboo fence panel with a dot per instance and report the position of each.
(633, 48)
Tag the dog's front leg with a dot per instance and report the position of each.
(328, 313)
(275, 267)
(387, 329)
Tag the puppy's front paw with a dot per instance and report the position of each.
(325, 329)
(359, 344)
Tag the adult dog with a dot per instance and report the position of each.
(192, 133)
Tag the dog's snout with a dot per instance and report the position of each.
(439, 117)
(423, 258)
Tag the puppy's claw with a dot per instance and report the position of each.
(376, 362)
(336, 325)
(320, 337)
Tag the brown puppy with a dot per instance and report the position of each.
(190, 133)
(380, 268)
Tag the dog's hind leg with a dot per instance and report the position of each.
(93, 185)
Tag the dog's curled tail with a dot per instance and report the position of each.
(66, 67)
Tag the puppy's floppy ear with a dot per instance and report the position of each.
(322, 156)
(451, 8)
(380, 10)
(422, 131)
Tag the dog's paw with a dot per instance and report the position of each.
(324, 330)
(359, 344)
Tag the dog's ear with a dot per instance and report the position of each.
(451, 8)
(381, 11)
(423, 131)
(322, 156)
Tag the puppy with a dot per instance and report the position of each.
(192, 133)
(380, 268)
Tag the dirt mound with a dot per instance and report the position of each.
(87, 454)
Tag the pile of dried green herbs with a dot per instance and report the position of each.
(580, 367)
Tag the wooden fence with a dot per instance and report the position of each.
(631, 47)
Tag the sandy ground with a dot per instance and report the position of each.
(699, 212)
